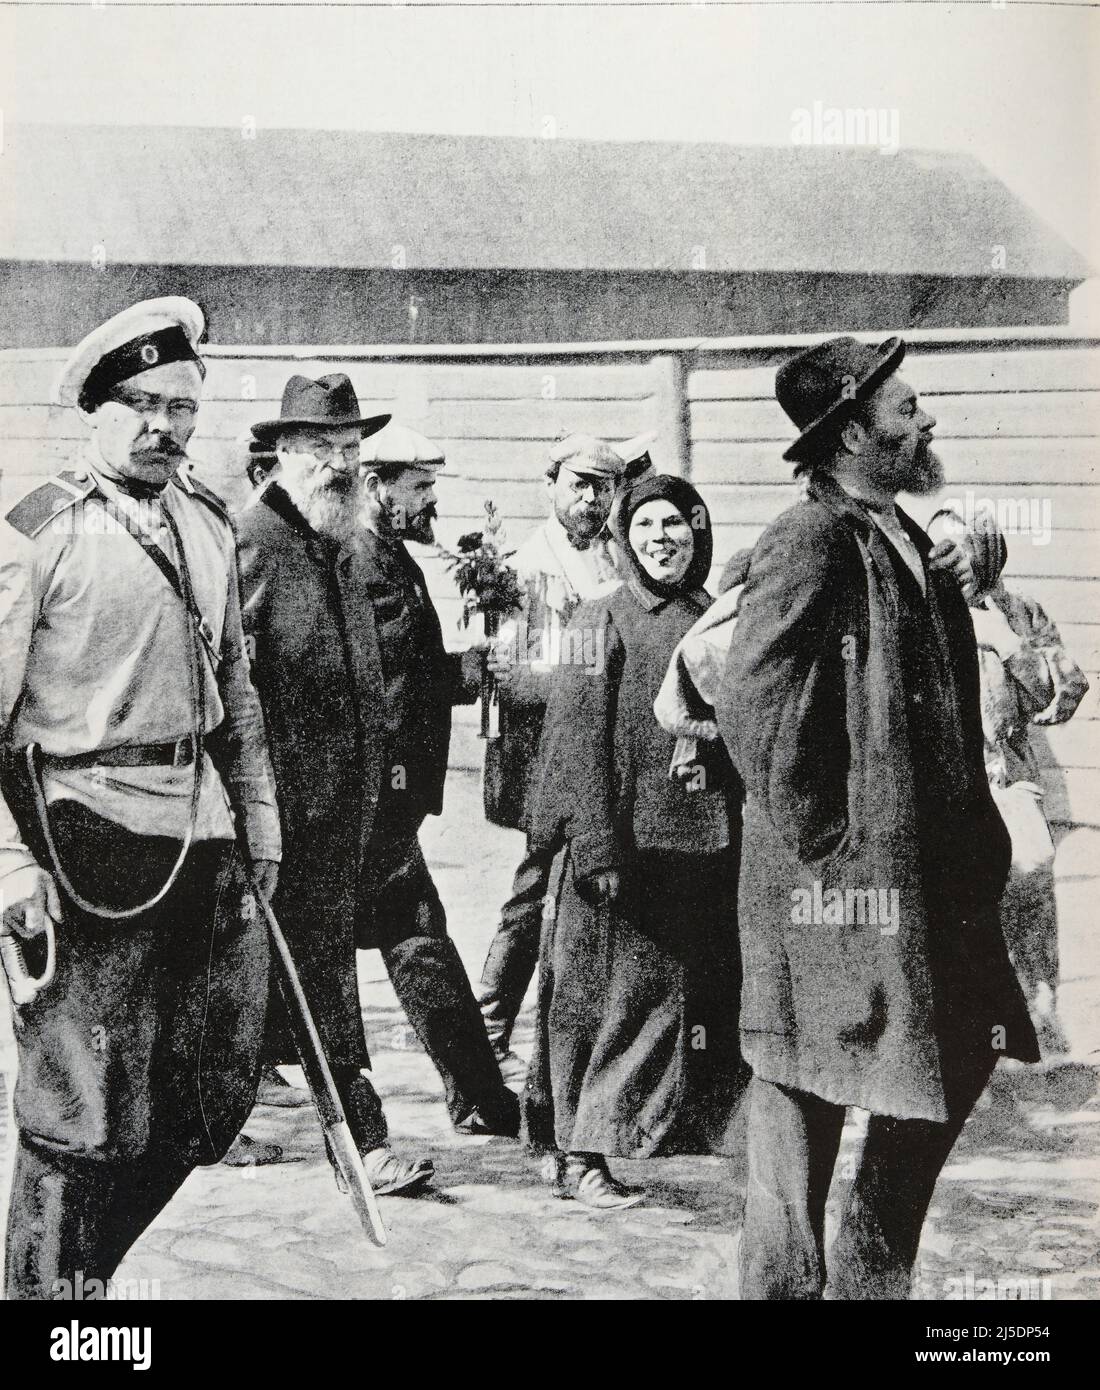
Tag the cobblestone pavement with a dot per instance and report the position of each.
(1017, 1204)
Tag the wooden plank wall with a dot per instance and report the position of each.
(1019, 423)
(496, 422)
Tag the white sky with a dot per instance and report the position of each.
(1010, 85)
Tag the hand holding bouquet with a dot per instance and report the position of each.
(488, 585)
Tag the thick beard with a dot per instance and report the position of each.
(422, 530)
(418, 528)
(330, 511)
(926, 474)
(583, 529)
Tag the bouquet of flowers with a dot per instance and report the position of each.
(488, 585)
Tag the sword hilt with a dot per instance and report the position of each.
(22, 984)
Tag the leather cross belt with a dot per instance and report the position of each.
(175, 754)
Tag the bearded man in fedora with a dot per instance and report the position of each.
(875, 973)
(350, 673)
(310, 632)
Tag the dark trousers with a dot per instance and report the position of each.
(514, 950)
(362, 1108)
(410, 929)
(793, 1141)
(141, 1060)
(72, 1218)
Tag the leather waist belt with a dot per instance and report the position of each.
(177, 754)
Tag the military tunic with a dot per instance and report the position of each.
(141, 1058)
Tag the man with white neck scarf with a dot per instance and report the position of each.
(566, 561)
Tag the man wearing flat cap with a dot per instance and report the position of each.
(566, 561)
(421, 682)
(875, 973)
(132, 737)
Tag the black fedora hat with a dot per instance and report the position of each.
(329, 403)
(817, 388)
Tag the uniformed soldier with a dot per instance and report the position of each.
(133, 739)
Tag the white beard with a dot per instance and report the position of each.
(328, 511)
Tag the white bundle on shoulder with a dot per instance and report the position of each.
(694, 677)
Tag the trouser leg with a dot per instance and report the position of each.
(140, 1059)
(514, 950)
(147, 1040)
(434, 991)
(880, 1227)
(362, 1108)
(793, 1140)
(73, 1219)
(1029, 919)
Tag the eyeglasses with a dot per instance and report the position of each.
(581, 482)
(179, 411)
(324, 450)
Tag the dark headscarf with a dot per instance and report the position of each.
(664, 487)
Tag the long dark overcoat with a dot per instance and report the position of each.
(637, 1051)
(308, 607)
(315, 665)
(850, 707)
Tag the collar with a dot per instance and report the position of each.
(388, 543)
(825, 489)
(384, 550)
(116, 487)
(278, 499)
(652, 602)
(646, 598)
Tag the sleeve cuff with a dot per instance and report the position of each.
(262, 834)
(594, 853)
(13, 858)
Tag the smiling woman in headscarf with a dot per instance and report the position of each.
(636, 1050)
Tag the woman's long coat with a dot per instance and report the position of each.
(850, 707)
(637, 1051)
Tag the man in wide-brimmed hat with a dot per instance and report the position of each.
(325, 653)
(315, 663)
(875, 973)
(132, 725)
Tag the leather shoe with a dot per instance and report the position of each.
(590, 1183)
(388, 1174)
(251, 1153)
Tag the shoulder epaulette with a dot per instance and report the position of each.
(187, 483)
(33, 513)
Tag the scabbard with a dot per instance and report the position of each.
(319, 1078)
